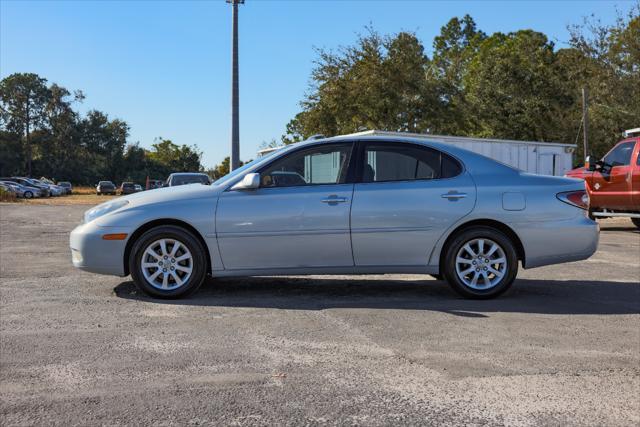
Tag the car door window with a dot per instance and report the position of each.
(323, 164)
(620, 155)
(387, 162)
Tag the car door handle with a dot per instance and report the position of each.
(454, 195)
(334, 199)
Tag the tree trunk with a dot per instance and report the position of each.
(28, 142)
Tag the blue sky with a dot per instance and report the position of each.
(164, 66)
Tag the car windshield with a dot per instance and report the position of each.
(243, 168)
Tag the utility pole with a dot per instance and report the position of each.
(235, 119)
(585, 122)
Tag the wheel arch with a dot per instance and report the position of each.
(500, 226)
(158, 222)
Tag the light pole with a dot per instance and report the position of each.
(235, 119)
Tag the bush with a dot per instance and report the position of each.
(7, 196)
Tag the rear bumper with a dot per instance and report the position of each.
(556, 242)
(89, 252)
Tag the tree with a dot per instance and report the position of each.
(606, 60)
(23, 101)
(176, 158)
(515, 88)
(456, 45)
(379, 83)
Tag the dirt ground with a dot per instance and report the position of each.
(561, 348)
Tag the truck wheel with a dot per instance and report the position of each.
(480, 263)
(168, 262)
(636, 222)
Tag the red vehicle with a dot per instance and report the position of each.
(613, 183)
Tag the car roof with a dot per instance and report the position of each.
(188, 173)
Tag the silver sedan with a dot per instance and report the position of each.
(344, 205)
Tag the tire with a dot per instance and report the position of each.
(166, 284)
(636, 222)
(469, 285)
(28, 195)
(437, 276)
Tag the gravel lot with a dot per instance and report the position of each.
(562, 348)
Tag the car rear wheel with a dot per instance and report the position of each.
(636, 222)
(480, 263)
(168, 262)
(28, 195)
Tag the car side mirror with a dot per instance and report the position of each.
(251, 181)
(591, 165)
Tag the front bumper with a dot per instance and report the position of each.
(91, 253)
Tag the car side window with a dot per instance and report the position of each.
(620, 155)
(385, 162)
(321, 164)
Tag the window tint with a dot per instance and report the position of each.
(406, 162)
(620, 155)
(323, 164)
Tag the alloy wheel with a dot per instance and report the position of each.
(166, 264)
(481, 264)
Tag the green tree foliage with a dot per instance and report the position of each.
(23, 99)
(42, 135)
(380, 83)
(513, 86)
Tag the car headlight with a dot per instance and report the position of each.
(103, 209)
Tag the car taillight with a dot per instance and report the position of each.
(578, 198)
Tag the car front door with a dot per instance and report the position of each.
(635, 179)
(611, 186)
(407, 197)
(299, 217)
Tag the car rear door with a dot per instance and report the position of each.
(290, 223)
(406, 197)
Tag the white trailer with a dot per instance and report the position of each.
(544, 158)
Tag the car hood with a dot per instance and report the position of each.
(169, 194)
(580, 173)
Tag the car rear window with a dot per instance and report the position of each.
(386, 162)
(190, 179)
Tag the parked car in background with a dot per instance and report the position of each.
(67, 186)
(365, 205)
(53, 189)
(106, 187)
(613, 183)
(44, 189)
(183, 178)
(154, 183)
(22, 190)
(138, 187)
(56, 190)
(127, 188)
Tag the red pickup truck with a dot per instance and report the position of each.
(613, 183)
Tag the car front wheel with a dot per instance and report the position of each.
(480, 263)
(168, 262)
(28, 195)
